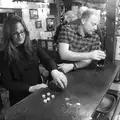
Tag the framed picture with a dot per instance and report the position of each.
(38, 24)
(50, 24)
(43, 43)
(50, 45)
(33, 13)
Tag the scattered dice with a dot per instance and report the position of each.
(48, 94)
(68, 104)
(67, 99)
(43, 96)
(52, 96)
(48, 99)
(78, 104)
(45, 100)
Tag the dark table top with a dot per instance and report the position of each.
(86, 87)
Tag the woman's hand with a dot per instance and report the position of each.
(65, 67)
(59, 78)
(37, 87)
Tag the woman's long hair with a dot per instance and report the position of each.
(10, 49)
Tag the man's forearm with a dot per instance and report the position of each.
(74, 56)
(82, 63)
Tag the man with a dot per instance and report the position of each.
(72, 9)
(77, 21)
(78, 44)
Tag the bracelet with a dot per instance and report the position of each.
(74, 67)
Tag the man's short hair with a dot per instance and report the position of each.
(87, 13)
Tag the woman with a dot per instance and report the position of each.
(19, 62)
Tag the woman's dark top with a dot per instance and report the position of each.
(19, 75)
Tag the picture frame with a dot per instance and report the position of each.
(50, 24)
(50, 45)
(43, 43)
(33, 13)
(38, 24)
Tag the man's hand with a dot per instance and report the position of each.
(97, 55)
(37, 87)
(65, 67)
(59, 78)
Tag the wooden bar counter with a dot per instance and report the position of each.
(86, 88)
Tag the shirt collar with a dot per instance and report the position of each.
(80, 31)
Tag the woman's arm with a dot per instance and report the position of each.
(16, 85)
(45, 59)
(49, 63)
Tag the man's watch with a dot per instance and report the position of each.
(74, 66)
